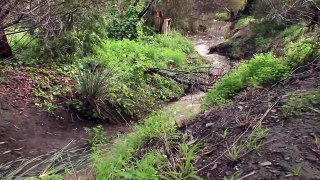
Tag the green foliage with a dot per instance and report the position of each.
(301, 102)
(261, 70)
(292, 31)
(126, 27)
(224, 134)
(174, 41)
(235, 151)
(110, 163)
(296, 171)
(75, 43)
(136, 93)
(244, 22)
(186, 169)
(254, 139)
(96, 136)
(222, 16)
(146, 168)
(296, 52)
(25, 48)
(94, 81)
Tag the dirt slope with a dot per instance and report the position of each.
(289, 147)
(26, 131)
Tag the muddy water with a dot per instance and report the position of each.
(189, 106)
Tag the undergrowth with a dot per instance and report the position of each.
(302, 102)
(244, 22)
(133, 91)
(222, 16)
(110, 162)
(261, 70)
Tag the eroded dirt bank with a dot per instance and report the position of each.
(288, 151)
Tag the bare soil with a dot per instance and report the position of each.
(288, 147)
(26, 131)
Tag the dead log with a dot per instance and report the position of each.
(192, 80)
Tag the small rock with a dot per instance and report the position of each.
(209, 124)
(287, 158)
(299, 160)
(274, 171)
(267, 163)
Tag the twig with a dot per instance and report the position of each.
(250, 174)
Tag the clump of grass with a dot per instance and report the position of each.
(235, 176)
(252, 142)
(146, 168)
(109, 163)
(254, 139)
(244, 22)
(296, 171)
(222, 16)
(235, 151)
(224, 134)
(186, 169)
(263, 69)
(300, 102)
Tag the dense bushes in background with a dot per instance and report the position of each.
(126, 27)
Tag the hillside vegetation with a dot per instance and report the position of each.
(104, 76)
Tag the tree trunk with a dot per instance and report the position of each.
(5, 49)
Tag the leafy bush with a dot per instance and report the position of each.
(244, 22)
(96, 136)
(124, 28)
(296, 52)
(262, 69)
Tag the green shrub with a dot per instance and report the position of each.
(296, 52)
(96, 136)
(292, 31)
(262, 69)
(94, 81)
(126, 27)
(222, 16)
(244, 22)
